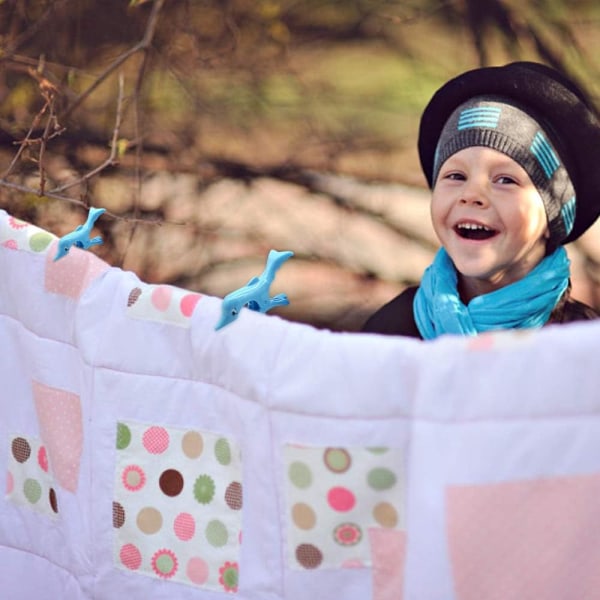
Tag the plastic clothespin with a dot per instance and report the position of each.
(255, 294)
(81, 236)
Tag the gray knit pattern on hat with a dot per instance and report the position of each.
(497, 124)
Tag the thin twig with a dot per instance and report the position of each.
(18, 187)
(49, 93)
(114, 147)
(145, 45)
(27, 140)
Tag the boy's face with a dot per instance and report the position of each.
(490, 218)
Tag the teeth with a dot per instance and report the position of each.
(473, 226)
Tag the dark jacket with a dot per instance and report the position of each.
(397, 317)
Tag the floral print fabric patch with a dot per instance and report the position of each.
(177, 505)
(335, 496)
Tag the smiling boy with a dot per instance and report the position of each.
(512, 156)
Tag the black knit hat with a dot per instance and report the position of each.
(567, 118)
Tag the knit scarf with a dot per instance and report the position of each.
(528, 302)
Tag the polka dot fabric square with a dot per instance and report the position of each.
(525, 540)
(29, 481)
(177, 505)
(61, 428)
(335, 496)
(72, 275)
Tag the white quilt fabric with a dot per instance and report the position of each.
(147, 456)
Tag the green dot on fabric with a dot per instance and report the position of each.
(32, 490)
(164, 563)
(300, 475)
(204, 489)
(230, 577)
(216, 533)
(381, 478)
(337, 460)
(223, 451)
(123, 436)
(378, 450)
(38, 242)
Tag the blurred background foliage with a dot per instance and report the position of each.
(241, 89)
(321, 83)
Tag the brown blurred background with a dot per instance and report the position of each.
(215, 130)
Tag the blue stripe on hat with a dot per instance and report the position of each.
(568, 214)
(479, 116)
(544, 154)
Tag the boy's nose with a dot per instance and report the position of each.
(474, 193)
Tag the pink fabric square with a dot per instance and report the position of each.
(61, 430)
(526, 540)
(388, 552)
(72, 274)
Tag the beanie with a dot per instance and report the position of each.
(545, 123)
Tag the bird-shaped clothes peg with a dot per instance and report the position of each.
(255, 294)
(81, 236)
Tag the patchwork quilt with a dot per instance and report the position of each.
(146, 455)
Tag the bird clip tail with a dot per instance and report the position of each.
(94, 215)
(276, 259)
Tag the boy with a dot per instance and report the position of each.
(512, 155)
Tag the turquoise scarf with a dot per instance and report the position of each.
(525, 303)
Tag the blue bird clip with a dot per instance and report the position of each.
(81, 236)
(255, 294)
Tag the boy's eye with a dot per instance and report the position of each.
(454, 176)
(505, 179)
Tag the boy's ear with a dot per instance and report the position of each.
(547, 233)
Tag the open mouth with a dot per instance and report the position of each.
(474, 231)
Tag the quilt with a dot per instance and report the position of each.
(146, 455)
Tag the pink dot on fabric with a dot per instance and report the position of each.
(188, 303)
(197, 570)
(161, 297)
(43, 458)
(156, 440)
(341, 499)
(482, 342)
(353, 563)
(184, 526)
(11, 244)
(131, 557)
(10, 483)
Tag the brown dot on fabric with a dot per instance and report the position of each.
(171, 482)
(21, 449)
(118, 515)
(233, 495)
(52, 500)
(309, 556)
(133, 296)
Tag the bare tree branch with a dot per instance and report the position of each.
(51, 128)
(141, 46)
